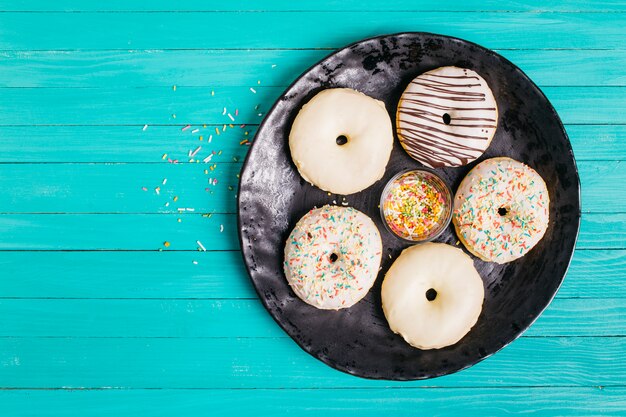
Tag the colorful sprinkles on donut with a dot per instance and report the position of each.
(501, 209)
(332, 257)
(416, 205)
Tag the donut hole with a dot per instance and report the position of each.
(431, 294)
(446, 118)
(503, 211)
(333, 257)
(341, 140)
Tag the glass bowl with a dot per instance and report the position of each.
(416, 205)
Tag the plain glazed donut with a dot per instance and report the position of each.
(341, 141)
(501, 210)
(446, 117)
(332, 257)
(432, 295)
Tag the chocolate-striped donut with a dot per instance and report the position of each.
(447, 117)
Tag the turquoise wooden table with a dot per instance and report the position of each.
(123, 125)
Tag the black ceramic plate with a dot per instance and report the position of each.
(272, 197)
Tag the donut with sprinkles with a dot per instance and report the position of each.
(332, 257)
(501, 210)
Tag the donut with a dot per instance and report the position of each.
(332, 257)
(341, 141)
(501, 210)
(446, 117)
(432, 295)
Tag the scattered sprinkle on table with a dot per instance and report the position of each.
(192, 154)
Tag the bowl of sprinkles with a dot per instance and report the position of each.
(416, 205)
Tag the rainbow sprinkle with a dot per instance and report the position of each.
(413, 207)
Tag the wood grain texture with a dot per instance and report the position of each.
(90, 301)
(118, 188)
(196, 105)
(149, 231)
(118, 232)
(219, 274)
(276, 68)
(479, 402)
(131, 144)
(243, 318)
(279, 363)
(326, 5)
(284, 29)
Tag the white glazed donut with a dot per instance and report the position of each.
(432, 295)
(446, 117)
(501, 210)
(341, 140)
(332, 257)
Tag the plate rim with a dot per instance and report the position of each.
(577, 214)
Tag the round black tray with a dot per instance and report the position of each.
(273, 196)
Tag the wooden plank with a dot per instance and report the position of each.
(167, 274)
(280, 363)
(327, 5)
(136, 106)
(243, 318)
(274, 67)
(543, 401)
(118, 232)
(149, 231)
(117, 188)
(284, 29)
(220, 274)
(602, 231)
(132, 144)
(196, 105)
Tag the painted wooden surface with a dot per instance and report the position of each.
(98, 315)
